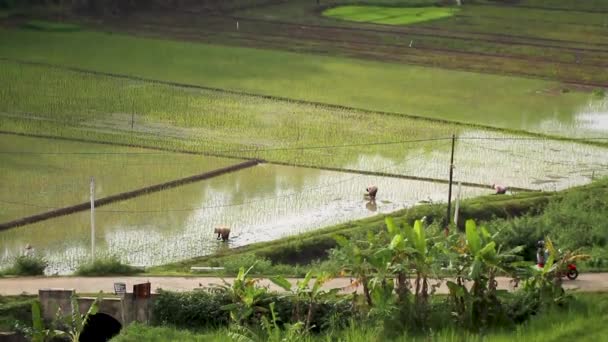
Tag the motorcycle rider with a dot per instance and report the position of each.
(542, 254)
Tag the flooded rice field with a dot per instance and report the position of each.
(261, 203)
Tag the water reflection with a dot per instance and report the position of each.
(594, 117)
(589, 121)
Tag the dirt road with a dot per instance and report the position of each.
(589, 282)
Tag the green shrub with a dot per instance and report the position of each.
(194, 310)
(523, 231)
(203, 309)
(105, 266)
(25, 265)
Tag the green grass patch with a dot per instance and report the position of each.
(48, 26)
(104, 267)
(389, 15)
(499, 101)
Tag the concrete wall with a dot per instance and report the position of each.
(125, 311)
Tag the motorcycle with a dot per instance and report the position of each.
(571, 272)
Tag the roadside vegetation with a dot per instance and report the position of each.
(106, 266)
(583, 321)
(26, 265)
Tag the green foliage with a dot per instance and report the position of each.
(575, 219)
(105, 266)
(203, 310)
(195, 310)
(15, 311)
(65, 326)
(27, 265)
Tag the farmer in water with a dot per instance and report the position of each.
(223, 233)
(500, 189)
(372, 190)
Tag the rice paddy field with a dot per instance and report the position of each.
(491, 100)
(362, 96)
(260, 204)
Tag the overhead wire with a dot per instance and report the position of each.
(294, 148)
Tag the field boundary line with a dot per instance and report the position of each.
(128, 195)
(304, 102)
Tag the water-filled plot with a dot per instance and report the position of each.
(259, 204)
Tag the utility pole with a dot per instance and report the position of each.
(132, 120)
(92, 218)
(447, 224)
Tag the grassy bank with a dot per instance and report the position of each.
(586, 320)
(497, 100)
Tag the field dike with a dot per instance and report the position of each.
(127, 195)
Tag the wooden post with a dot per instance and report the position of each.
(92, 218)
(447, 224)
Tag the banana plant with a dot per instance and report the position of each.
(305, 295)
(73, 324)
(478, 260)
(76, 322)
(245, 297)
(272, 332)
(355, 261)
(38, 332)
